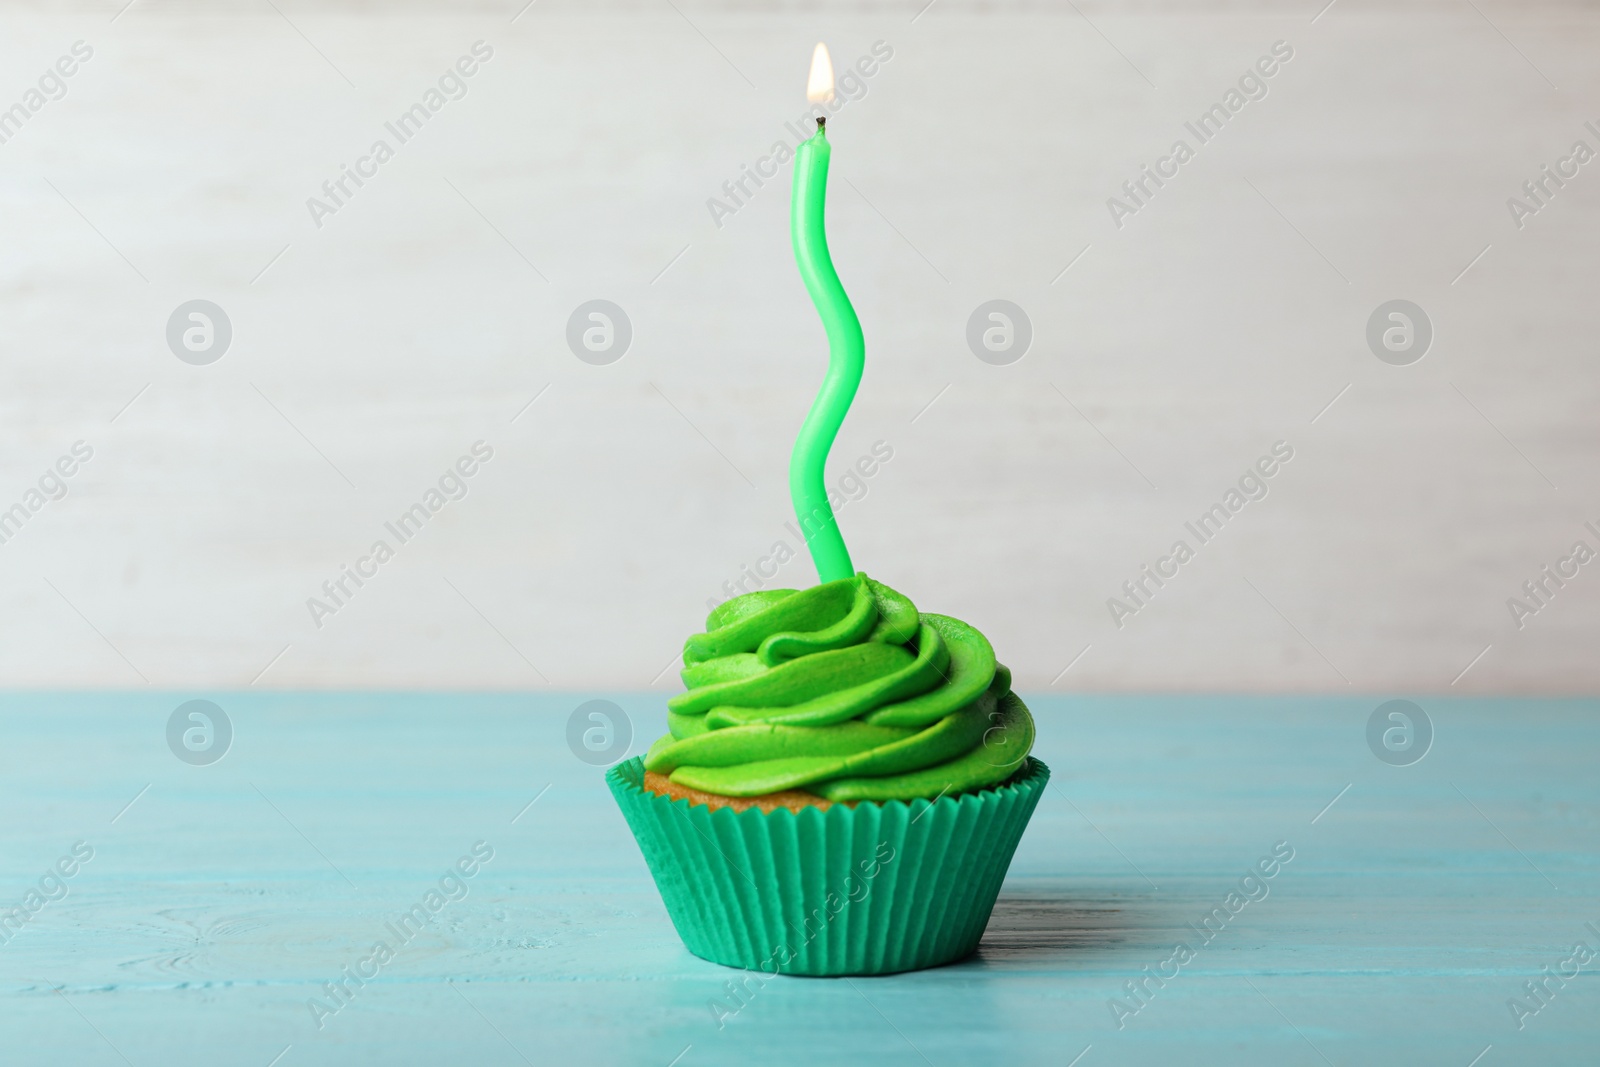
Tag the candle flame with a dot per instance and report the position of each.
(819, 86)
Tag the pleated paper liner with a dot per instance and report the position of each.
(874, 889)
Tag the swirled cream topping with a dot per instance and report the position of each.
(843, 690)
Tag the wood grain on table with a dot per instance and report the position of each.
(221, 900)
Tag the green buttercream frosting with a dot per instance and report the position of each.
(844, 690)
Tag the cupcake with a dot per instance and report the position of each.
(845, 779)
(842, 788)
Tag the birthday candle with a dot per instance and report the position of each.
(846, 349)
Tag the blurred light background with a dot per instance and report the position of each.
(372, 347)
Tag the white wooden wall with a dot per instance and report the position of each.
(1225, 315)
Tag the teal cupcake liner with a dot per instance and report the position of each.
(873, 889)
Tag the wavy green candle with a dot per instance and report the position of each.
(846, 357)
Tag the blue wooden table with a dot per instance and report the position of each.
(223, 902)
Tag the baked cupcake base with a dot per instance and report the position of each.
(789, 799)
(828, 889)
